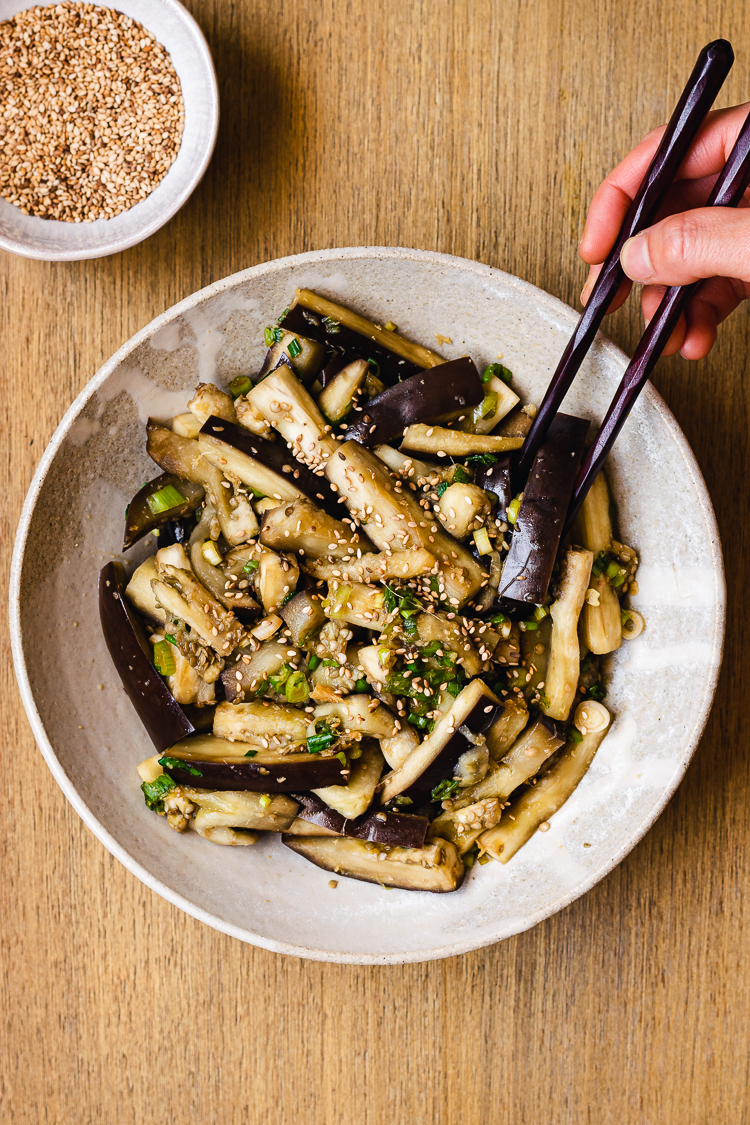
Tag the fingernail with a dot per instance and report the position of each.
(635, 260)
(586, 291)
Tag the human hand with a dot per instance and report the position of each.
(687, 243)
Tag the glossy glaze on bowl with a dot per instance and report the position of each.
(57, 241)
(662, 683)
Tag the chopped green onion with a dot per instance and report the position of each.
(481, 459)
(513, 508)
(155, 791)
(527, 626)
(211, 553)
(597, 692)
(313, 661)
(322, 739)
(441, 488)
(540, 612)
(250, 566)
(613, 570)
(283, 316)
(498, 371)
(389, 326)
(487, 406)
(331, 325)
(341, 757)
(498, 619)
(268, 337)
(240, 386)
(460, 476)
(573, 735)
(294, 348)
(297, 689)
(251, 753)
(362, 685)
(178, 764)
(625, 616)
(543, 699)
(278, 680)
(287, 598)
(166, 498)
(164, 658)
(171, 638)
(482, 541)
(400, 800)
(445, 790)
(483, 859)
(374, 366)
(265, 800)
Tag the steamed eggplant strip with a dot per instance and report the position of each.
(383, 567)
(442, 442)
(395, 521)
(601, 630)
(564, 664)
(415, 353)
(535, 807)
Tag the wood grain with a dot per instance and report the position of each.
(480, 128)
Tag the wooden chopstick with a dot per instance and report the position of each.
(727, 192)
(713, 65)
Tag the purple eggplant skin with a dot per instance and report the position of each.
(139, 519)
(497, 480)
(277, 457)
(161, 715)
(424, 397)
(285, 776)
(546, 496)
(391, 368)
(402, 830)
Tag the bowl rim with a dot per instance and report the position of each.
(125, 242)
(554, 306)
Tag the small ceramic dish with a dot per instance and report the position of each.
(57, 241)
(661, 685)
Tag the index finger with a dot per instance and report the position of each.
(616, 192)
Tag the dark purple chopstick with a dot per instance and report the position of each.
(727, 192)
(712, 67)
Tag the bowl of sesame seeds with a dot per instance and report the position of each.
(108, 120)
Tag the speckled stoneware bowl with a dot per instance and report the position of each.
(661, 687)
(56, 241)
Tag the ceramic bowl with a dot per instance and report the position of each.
(662, 684)
(57, 241)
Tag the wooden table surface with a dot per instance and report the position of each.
(479, 128)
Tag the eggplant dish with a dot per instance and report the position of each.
(358, 627)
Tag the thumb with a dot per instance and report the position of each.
(681, 249)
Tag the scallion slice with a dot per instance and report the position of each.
(251, 566)
(513, 508)
(240, 386)
(540, 612)
(482, 541)
(164, 660)
(297, 689)
(166, 498)
(294, 348)
(211, 553)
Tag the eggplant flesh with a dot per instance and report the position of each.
(443, 391)
(436, 867)
(267, 466)
(399, 829)
(472, 713)
(546, 496)
(140, 520)
(161, 715)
